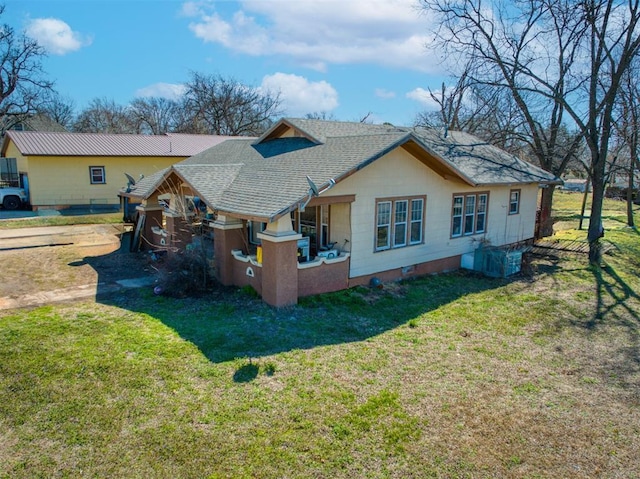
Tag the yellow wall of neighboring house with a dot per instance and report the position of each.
(66, 181)
(61, 181)
(13, 152)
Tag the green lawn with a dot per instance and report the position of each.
(62, 220)
(447, 376)
(566, 212)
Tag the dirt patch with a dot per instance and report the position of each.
(47, 268)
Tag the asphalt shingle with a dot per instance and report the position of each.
(267, 177)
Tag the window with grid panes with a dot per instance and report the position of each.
(469, 214)
(399, 223)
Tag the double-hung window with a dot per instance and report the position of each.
(399, 223)
(481, 213)
(469, 214)
(514, 202)
(383, 226)
(96, 175)
(417, 216)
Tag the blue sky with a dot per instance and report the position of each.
(348, 58)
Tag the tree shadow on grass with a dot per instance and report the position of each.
(612, 294)
(616, 310)
(228, 323)
(246, 373)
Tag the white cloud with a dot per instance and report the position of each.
(315, 34)
(423, 97)
(299, 95)
(385, 94)
(56, 36)
(190, 9)
(171, 91)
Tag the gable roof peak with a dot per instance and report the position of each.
(318, 131)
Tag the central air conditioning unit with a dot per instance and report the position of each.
(497, 262)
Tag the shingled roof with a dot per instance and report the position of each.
(266, 178)
(41, 143)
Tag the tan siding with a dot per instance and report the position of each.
(340, 227)
(522, 225)
(399, 174)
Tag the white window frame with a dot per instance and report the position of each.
(419, 221)
(469, 215)
(399, 218)
(383, 222)
(514, 204)
(482, 202)
(466, 210)
(95, 172)
(457, 209)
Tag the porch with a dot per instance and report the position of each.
(304, 252)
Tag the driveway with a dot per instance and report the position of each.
(43, 265)
(80, 235)
(25, 213)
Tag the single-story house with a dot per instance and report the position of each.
(314, 206)
(60, 170)
(36, 122)
(574, 184)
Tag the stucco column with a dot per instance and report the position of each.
(153, 217)
(280, 263)
(228, 234)
(178, 230)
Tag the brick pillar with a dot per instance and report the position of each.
(153, 217)
(228, 235)
(280, 263)
(179, 233)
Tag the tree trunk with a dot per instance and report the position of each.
(630, 221)
(546, 221)
(584, 201)
(596, 230)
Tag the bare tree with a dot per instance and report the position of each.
(483, 111)
(526, 49)
(155, 115)
(612, 42)
(22, 78)
(457, 108)
(105, 116)
(60, 110)
(224, 106)
(628, 130)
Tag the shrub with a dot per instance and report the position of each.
(183, 274)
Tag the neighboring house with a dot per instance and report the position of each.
(574, 184)
(383, 202)
(61, 170)
(37, 122)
